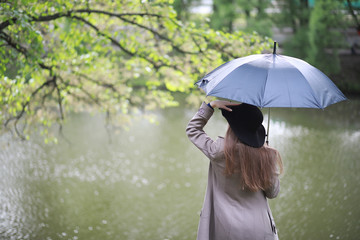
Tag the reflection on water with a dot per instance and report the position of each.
(149, 182)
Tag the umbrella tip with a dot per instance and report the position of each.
(274, 51)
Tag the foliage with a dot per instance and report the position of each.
(297, 44)
(259, 25)
(182, 8)
(294, 13)
(226, 13)
(350, 7)
(324, 37)
(114, 57)
(316, 31)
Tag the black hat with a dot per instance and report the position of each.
(246, 122)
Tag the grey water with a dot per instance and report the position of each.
(148, 182)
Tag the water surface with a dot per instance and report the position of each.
(149, 182)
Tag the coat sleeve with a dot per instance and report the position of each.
(197, 135)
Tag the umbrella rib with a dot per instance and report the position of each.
(263, 93)
(312, 90)
(262, 104)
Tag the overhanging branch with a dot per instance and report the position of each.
(156, 33)
(121, 16)
(21, 49)
(25, 105)
(104, 85)
(116, 43)
(46, 18)
(13, 44)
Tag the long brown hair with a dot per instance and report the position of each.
(256, 166)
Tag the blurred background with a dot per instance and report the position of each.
(310, 30)
(95, 97)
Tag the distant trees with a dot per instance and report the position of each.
(315, 25)
(226, 15)
(182, 8)
(324, 37)
(316, 30)
(356, 20)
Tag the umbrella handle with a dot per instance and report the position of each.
(268, 126)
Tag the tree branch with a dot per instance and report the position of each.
(59, 101)
(25, 105)
(17, 130)
(71, 12)
(7, 23)
(13, 44)
(156, 33)
(45, 18)
(121, 16)
(351, 10)
(95, 100)
(113, 41)
(21, 50)
(46, 95)
(104, 85)
(116, 43)
(200, 50)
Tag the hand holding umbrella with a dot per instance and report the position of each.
(223, 104)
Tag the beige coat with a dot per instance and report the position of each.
(229, 212)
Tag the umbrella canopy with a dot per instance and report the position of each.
(272, 80)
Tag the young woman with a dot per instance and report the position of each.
(243, 173)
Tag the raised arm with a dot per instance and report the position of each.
(196, 133)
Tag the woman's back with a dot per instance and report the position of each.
(230, 211)
(234, 213)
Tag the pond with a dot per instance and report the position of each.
(149, 182)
